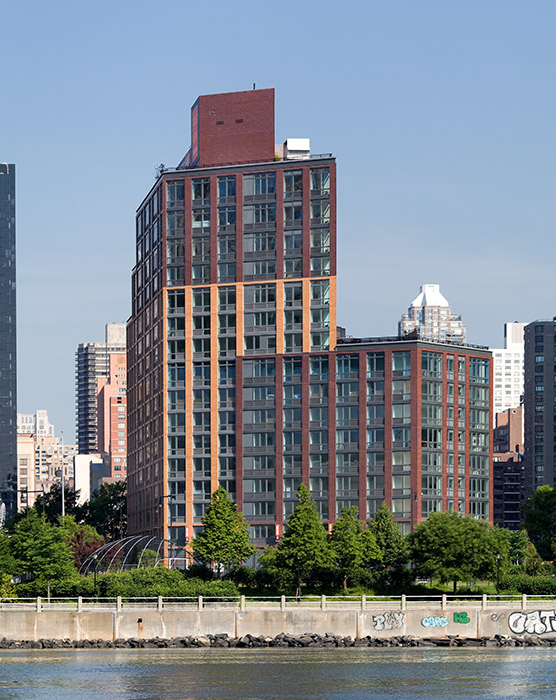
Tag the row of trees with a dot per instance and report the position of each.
(446, 547)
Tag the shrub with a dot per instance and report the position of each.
(147, 583)
(70, 587)
(530, 585)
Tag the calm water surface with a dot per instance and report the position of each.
(277, 674)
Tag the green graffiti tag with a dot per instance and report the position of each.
(461, 617)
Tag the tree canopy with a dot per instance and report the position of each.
(39, 548)
(454, 547)
(389, 538)
(50, 503)
(224, 542)
(539, 518)
(81, 538)
(304, 547)
(353, 547)
(106, 510)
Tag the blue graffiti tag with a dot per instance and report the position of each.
(434, 621)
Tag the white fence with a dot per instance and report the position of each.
(243, 603)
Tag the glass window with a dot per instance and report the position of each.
(259, 183)
(320, 180)
(293, 183)
(226, 187)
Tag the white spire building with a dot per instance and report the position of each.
(431, 316)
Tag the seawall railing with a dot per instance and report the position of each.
(243, 603)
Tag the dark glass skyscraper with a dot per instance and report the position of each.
(8, 420)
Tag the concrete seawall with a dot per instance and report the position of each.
(419, 620)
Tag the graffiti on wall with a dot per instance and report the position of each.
(434, 621)
(461, 617)
(388, 621)
(535, 622)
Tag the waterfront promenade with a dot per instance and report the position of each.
(354, 617)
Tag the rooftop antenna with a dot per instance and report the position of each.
(253, 86)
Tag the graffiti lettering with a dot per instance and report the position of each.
(434, 621)
(389, 621)
(536, 622)
(461, 617)
(498, 617)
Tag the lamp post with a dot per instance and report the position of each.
(498, 576)
(63, 479)
(95, 559)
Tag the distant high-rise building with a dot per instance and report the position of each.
(508, 468)
(36, 423)
(431, 318)
(112, 417)
(50, 455)
(8, 376)
(26, 492)
(508, 369)
(92, 362)
(539, 397)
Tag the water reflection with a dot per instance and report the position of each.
(281, 674)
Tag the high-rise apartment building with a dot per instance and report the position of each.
(430, 318)
(92, 362)
(112, 417)
(235, 260)
(8, 374)
(235, 377)
(539, 399)
(508, 369)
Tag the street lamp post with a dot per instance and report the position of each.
(498, 576)
(63, 480)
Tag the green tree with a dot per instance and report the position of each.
(353, 547)
(389, 538)
(7, 589)
(224, 542)
(454, 547)
(106, 510)
(539, 518)
(50, 503)
(39, 548)
(81, 538)
(304, 547)
(8, 564)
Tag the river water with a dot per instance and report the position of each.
(277, 674)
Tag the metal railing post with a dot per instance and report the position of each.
(282, 602)
(484, 602)
(79, 604)
(524, 602)
(39, 604)
(119, 604)
(323, 602)
(403, 602)
(444, 601)
(200, 602)
(242, 603)
(159, 603)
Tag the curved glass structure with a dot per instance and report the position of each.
(139, 551)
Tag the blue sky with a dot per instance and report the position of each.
(441, 115)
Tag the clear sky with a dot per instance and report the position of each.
(441, 114)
